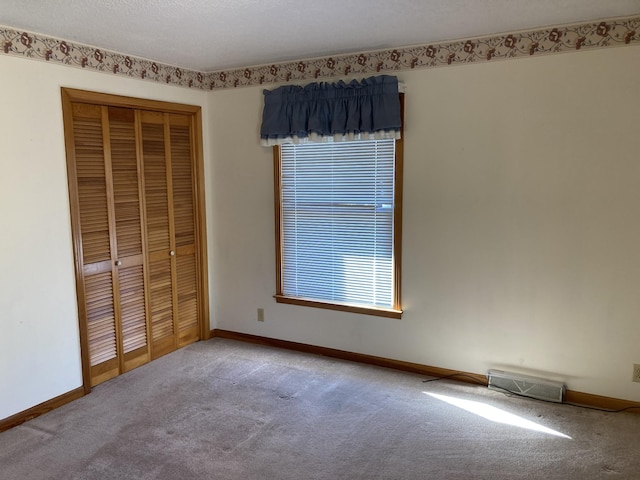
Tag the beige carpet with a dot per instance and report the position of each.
(228, 410)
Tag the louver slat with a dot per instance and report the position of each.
(125, 182)
(101, 327)
(134, 333)
(187, 299)
(155, 176)
(182, 185)
(91, 181)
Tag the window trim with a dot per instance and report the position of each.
(396, 311)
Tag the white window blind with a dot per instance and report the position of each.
(337, 213)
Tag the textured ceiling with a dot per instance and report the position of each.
(211, 35)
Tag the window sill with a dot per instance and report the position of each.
(343, 307)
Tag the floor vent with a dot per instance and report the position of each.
(534, 387)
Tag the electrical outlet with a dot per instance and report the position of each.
(261, 316)
(636, 372)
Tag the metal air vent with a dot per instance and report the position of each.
(525, 385)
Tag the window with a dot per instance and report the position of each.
(338, 225)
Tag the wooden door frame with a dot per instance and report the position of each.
(70, 95)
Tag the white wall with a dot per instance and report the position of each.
(521, 223)
(39, 343)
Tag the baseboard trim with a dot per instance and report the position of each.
(40, 409)
(598, 401)
(354, 357)
(586, 399)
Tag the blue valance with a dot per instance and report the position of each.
(332, 111)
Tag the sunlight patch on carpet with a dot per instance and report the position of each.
(496, 414)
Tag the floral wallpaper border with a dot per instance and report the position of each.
(40, 47)
(623, 31)
(599, 34)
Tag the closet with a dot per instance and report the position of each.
(135, 189)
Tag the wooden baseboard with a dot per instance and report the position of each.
(579, 398)
(598, 401)
(354, 357)
(40, 409)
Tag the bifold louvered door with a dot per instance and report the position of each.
(129, 239)
(168, 176)
(184, 233)
(108, 199)
(132, 190)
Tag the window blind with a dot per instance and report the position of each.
(337, 221)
